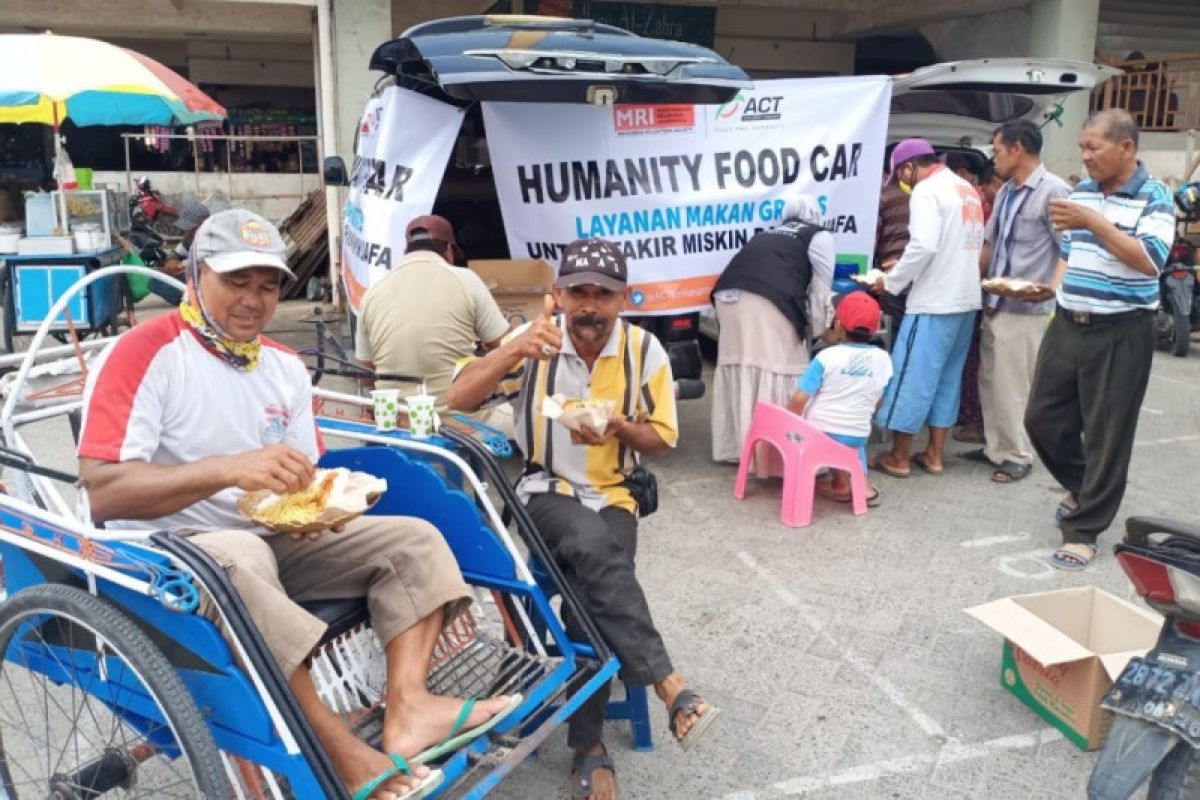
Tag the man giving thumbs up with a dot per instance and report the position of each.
(576, 484)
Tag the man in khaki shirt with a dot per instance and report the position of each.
(426, 314)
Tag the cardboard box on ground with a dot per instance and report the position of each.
(1063, 650)
(517, 284)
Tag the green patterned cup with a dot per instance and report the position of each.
(421, 417)
(387, 406)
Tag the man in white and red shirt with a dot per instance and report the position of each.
(187, 412)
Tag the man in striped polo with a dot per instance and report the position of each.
(576, 485)
(1094, 362)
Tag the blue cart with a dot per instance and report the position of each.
(113, 683)
(29, 286)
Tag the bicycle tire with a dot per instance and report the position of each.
(60, 610)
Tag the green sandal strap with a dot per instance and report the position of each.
(460, 721)
(399, 767)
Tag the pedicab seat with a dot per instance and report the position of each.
(340, 615)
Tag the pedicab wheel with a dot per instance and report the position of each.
(90, 707)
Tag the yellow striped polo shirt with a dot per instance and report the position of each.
(633, 371)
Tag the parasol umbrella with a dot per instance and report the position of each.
(47, 79)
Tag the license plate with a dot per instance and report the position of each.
(1159, 694)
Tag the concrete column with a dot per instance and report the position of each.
(1065, 29)
(347, 32)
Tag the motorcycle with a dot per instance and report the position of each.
(146, 207)
(1179, 301)
(1156, 699)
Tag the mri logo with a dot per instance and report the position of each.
(641, 118)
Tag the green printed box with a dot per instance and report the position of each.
(1063, 650)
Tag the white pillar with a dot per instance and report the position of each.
(1065, 29)
(348, 31)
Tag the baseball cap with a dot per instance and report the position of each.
(191, 217)
(907, 150)
(592, 261)
(430, 226)
(239, 239)
(858, 311)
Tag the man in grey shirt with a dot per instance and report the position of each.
(1020, 244)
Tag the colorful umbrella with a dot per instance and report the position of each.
(47, 78)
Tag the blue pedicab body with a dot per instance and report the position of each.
(266, 747)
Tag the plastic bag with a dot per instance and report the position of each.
(139, 285)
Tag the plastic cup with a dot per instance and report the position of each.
(421, 415)
(387, 406)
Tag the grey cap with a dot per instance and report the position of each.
(191, 216)
(240, 239)
(592, 261)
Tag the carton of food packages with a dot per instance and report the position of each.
(335, 497)
(576, 413)
(1063, 650)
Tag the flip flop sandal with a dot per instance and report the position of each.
(919, 460)
(688, 703)
(1072, 561)
(400, 767)
(1012, 472)
(457, 737)
(979, 454)
(582, 767)
(877, 464)
(1066, 506)
(873, 500)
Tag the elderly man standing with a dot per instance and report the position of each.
(191, 410)
(940, 267)
(1020, 243)
(1094, 363)
(772, 300)
(577, 484)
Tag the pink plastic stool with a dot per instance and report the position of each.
(805, 451)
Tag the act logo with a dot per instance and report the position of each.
(730, 109)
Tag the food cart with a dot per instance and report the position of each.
(38, 266)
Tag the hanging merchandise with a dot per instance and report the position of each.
(64, 170)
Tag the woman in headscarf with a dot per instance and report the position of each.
(772, 300)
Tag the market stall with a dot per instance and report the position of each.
(69, 232)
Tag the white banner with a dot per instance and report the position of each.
(404, 142)
(683, 187)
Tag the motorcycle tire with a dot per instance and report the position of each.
(1177, 777)
(1182, 338)
(1164, 328)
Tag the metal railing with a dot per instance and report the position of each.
(211, 152)
(1162, 94)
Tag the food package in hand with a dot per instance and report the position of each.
(1007, 287)
(577, 413)
(869, 278)
(334, 497)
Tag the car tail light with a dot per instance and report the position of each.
(1179, 273)
(1190, 629)
(1167, 588)
(681, 323)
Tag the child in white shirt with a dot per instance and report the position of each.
(843, 386)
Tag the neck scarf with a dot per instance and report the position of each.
(242, 356)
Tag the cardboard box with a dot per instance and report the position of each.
(518, 285)
(1062, 651)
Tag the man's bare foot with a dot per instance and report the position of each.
(411, 727)
(602, 781)
(670, 689)
(358, 763)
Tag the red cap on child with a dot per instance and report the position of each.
(859, 311)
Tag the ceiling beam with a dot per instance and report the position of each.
(269, 19)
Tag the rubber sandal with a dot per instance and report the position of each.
(877, 464)
(1070, 560)
(874, 499)
(688, 703)
(582, 767)
(1066, 506)
(400, 767)
(919, 460)
(1012, 472)
(979, 455)
(457, 737)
